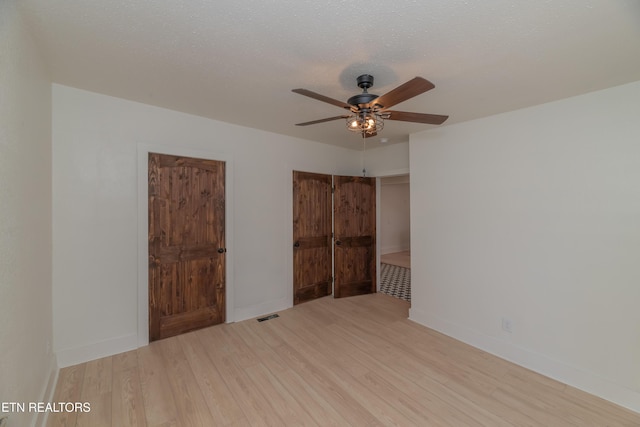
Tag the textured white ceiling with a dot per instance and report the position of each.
(237, 60)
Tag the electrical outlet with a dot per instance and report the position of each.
(507, 325)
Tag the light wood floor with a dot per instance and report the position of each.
(402, 259)
(346, 362)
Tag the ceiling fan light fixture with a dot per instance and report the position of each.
(365, 122)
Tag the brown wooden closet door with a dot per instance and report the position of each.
(186, 244)
(355, 236)
(311, 236)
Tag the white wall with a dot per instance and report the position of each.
(27, 365)
(387, 160)
(395, 228)
(95, 200)
(534, 215)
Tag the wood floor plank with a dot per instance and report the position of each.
(97, 390)
(157, 394)
(394, 380)
(593, 404)
(231, 356)
(340, 398)
(192, 409)
(283, 403)
(402, 259)
(223, 407)
(68, 389)
(366, 351)
(127, 402)
(260, 336)
(347, 363)
(331, 362)
(124, 361)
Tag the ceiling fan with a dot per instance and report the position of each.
(367, 112)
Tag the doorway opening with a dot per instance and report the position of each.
(395, 236)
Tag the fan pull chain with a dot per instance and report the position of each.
(364, 149)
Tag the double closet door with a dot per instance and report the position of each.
(334, 229)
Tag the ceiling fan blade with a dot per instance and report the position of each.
(322, 120)
(322, 98)
(403, 116)
(412, 88)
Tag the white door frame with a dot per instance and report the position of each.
(143, 227)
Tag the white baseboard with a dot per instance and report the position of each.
(393, 249)
(76, 355)
(73, 356)
(262, 309)
(544, 365)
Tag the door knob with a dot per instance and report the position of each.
(221, 250)
(338, 242)
(296, 245)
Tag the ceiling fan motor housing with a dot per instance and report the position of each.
(365, 81)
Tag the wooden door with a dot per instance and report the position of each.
(311, 236)
(355, 236)
(186, 244)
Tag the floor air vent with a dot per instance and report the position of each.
(269, 317)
